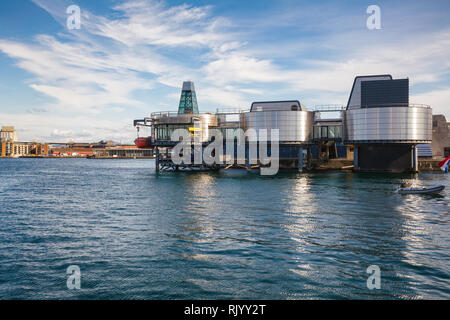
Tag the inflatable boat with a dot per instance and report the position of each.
(424, 190)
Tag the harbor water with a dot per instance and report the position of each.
(136, 234)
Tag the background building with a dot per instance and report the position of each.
(441, 136)
(38, 149)
(22, 149)
(125, 152)
(8, 134)
(10, 147)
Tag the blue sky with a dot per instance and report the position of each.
(130, 58)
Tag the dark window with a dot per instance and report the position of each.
(294, 108)
(385, 93)
(435, 124)
(446, 152)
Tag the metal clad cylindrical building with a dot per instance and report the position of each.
(388, 125)
(293, 126)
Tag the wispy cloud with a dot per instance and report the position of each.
(150, 22)
(147, 45)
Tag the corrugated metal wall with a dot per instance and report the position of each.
(385, 93)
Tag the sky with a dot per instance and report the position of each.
(130, 57)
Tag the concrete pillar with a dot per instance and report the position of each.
(415, 159)
(247, 156)
(157, 159)
(308, 157)
(300, 159)
(355, 158)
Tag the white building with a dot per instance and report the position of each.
(8, 134)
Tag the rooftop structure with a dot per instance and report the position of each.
(188, 100)
(293, 105)
(355, 96)
(8, 134)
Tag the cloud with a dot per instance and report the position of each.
(79, 83)
(97, 74)
(238, 68)
(47, 127)
(439, 100)
(150, 22)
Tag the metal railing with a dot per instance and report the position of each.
(387, 105)
(173, 114)
(162, 114)
(328, 108)
(231, 110)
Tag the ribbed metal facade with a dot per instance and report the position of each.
(293, 126)
(382, 93)
(388, 125)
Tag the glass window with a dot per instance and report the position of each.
(324, 132)
(334, 132)
(316, 132)
(338, 131)
(446, 152)
(331, 132)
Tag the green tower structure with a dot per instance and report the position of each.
(188, 100)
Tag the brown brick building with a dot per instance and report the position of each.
(441, 137)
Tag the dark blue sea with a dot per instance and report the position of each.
(136, 234)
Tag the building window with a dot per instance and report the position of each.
(332, 132)
(324, 132)
(316, 132)
(338, 132)
(446, 152)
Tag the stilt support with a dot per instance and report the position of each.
(300, 159)
(157, 159)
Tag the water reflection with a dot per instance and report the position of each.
(142, 235)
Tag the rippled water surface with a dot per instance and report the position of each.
(136, 234)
